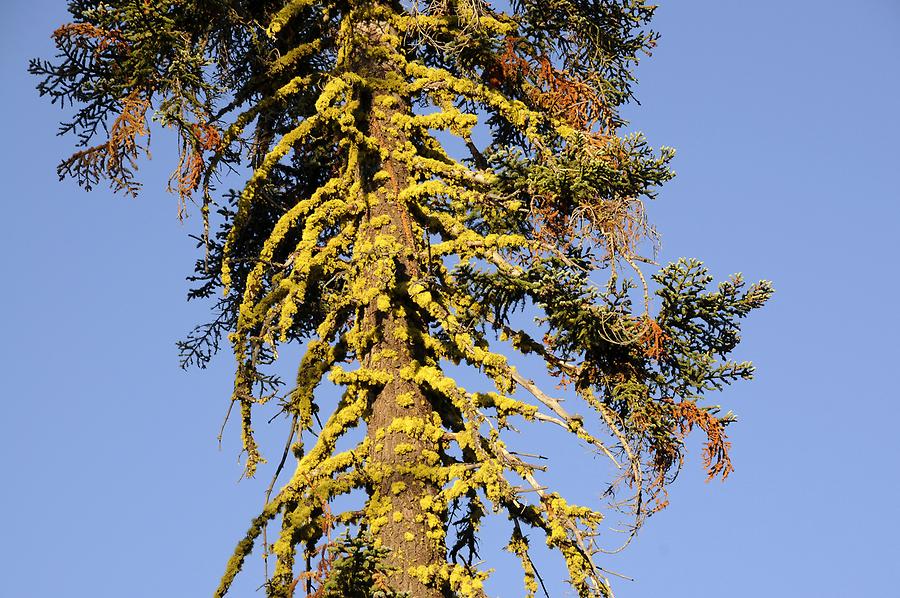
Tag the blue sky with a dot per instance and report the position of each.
(784, 115)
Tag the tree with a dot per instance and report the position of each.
(418, 175)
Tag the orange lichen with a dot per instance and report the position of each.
(196, 139)
(653, 339)
(715, 451)
(105, 38)
(560, 92)
(117, 157)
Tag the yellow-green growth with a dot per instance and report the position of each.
(367, 237)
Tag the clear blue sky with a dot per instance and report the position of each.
(785, 118)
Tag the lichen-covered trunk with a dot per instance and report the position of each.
(402, 456)
(401, 488)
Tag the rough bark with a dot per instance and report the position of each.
(396, 453)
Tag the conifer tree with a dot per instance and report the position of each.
(418, 176)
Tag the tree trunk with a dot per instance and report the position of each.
(399, 457)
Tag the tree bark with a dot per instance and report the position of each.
(403, 525)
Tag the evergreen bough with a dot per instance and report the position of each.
(420, 172)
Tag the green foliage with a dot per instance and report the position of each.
(358, 571)
(363, 234)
